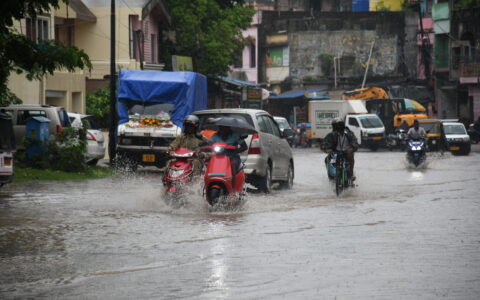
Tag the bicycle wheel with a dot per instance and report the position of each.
(338, 180)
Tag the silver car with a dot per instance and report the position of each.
(269, 158)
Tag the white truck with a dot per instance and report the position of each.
(368, 128)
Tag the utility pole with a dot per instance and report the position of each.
(113, 87)
(368, 64)
(425, 53)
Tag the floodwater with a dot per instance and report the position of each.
(400, 234)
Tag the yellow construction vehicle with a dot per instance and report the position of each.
(391, 111)
(365, 93)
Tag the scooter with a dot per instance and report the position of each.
(397, 140)
(221, 188)
(178, 173)
(416, 153)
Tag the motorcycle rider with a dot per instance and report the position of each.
(227, 136)
(189, 139)
(416, 132)
(476, 125)
(342, 139)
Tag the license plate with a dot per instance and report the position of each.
(148, 157)
(377, 138)
(454, 148)
(7, 161)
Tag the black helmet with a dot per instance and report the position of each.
(191, 121)
(338, 124)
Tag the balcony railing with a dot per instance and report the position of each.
(471, 69)
(465, 66)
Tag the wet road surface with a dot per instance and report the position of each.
(401, 234)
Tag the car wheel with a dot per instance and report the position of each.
(288, 184)
(266, 181)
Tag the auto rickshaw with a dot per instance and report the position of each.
(435, 136)
(7, 148)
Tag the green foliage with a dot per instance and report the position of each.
(25, 174)
(20, 54)
(66, 153)
(98, 105)
(209, 31)
(462, 4)
(326, 63)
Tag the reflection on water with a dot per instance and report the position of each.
(119, 238)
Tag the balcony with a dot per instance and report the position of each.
(469, 71)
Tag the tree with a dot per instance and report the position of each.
(98, 105)
(20, 54)
(210, 31)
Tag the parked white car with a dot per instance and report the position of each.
(95, 139)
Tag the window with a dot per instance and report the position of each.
(253, 55)
(24, 115)
(262, 123)
(37, 29)
(274, 126)
(353, 122)
(204, 117)
(153, 48)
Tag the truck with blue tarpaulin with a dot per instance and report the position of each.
(151, 106)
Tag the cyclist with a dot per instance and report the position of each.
(343, 140)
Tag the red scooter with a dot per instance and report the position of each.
(220, 186)
(179, 171)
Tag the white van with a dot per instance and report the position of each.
(368, 128)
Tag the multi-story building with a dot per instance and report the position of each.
(140, 26)
(63, 88)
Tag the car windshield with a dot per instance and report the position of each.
(282, 123)
(454, 129)
(149, 108)
(430, 127)
(371, 122)
(204, 117)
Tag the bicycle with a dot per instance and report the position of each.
(342, 180)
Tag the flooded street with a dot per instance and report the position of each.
(401, 234)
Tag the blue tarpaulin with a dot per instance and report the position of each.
(186, 90)
(315, 94)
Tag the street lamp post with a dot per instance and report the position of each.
(113, 88)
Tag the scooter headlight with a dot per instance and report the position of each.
(218, 149)
(176, 173)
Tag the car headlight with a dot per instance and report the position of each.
(126, 141)
(364, 133)
(466, 139)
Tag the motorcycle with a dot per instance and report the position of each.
(397, 140)
(221, 188)
(416, 153)
(337, 170)
(178, 173)
(474, 134)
